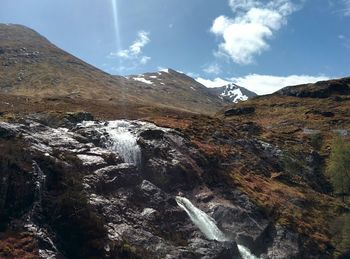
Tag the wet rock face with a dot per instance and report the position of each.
(7, 131)
(81, 196)
(122, 205)
(169, 161)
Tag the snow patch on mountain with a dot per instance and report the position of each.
(234, 93)
(166, 70)
(226, 90)
(143, 80)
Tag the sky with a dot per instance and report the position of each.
(261, 45)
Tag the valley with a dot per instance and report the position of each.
(94, 165)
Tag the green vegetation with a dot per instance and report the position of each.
(341, 235)
(339, 167)
(316, 141)
(293, 162)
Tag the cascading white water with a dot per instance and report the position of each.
(123, 141)
(120, 138)
(40, 179)
(207, 225)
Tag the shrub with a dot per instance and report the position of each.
(293, 162)
(339, 166)
(316, 141)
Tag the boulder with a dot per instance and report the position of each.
(321, 113)
(7, 130)
(152, 134)
(110, 178)
(239, 111)
(77, 117)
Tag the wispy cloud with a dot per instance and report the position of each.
(262, 84)
(212, 69)
(133, 55)
(217, 82)
(346, 7)
(340, 7)
(246, 35)
(345, 41)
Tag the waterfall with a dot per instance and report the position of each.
(120, 139)
(40, 179)
(123, 141)
(207, 225)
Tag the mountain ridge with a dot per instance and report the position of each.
(233, 93)
(31, 65)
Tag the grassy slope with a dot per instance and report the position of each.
(282, 120)
(287, 198)
(31, 66)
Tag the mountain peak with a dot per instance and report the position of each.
(230, 92)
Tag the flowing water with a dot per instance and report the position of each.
(207, 225)
(123, 141)
(119, 138)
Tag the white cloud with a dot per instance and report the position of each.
(217, 82)
(345, 41)
(262, 84)
(193, 75)
(340, 6)
(212, 69)
(134, 53)
(346, 9)
(135, 49)
(267, 84)
(246, 35)
(242, 5)
(144, 60)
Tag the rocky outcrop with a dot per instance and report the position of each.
(321, 113)
(77, 195)
(239, 111)
(322, 89)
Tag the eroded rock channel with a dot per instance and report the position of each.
(127, 189)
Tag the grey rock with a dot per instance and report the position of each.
(239, 111)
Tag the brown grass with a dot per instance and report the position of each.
(18, 246)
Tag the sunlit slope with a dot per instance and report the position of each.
(32, 66)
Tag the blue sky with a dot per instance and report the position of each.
(262, 45)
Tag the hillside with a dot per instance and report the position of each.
(167, 181)
(32, 66)
(173, 88)
(300, 123)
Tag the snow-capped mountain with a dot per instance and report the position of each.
(173, 89)
(232, 93)
(176, 83)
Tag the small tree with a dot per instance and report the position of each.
(339, 166)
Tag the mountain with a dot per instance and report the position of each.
(172, 87)
(32, 66)
(322, 89)
(101, 166)
(232, 93)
